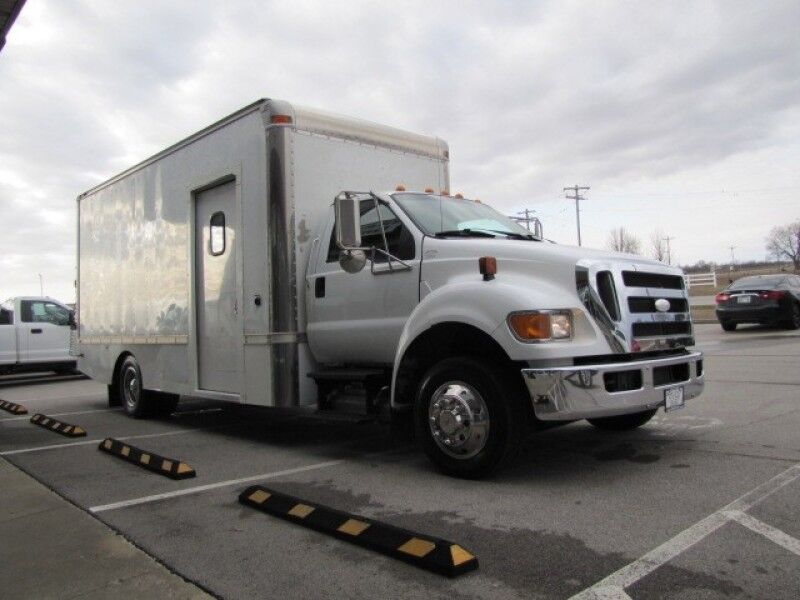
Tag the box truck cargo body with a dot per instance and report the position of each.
(262, 261)
(194, 260)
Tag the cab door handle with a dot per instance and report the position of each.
(36, 331)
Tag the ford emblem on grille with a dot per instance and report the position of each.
(662, 305)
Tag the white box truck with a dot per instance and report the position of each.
(262, 261)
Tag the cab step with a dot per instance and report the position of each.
(336, 387)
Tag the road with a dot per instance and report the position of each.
(699, 503)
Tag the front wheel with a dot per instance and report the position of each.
(623, 422)
(469, 417)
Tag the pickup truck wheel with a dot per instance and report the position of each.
(468, 419)
(135, 401)
(624, 422)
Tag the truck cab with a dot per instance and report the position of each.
(487, 330)
(35, 335)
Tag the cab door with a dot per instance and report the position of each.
(358, 318)
(45, 326)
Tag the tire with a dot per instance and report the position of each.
(728, 325)
(623, 422)
(793, 322)
(476, 408)
(136, 401)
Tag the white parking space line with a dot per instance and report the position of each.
(768, 531)
(97, 441)
(211, 486)
(638, 569)
(64, 414)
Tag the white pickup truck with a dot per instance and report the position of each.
(34, 335)
(236, 265)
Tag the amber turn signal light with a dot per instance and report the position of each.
(530, 326)
(541, 326)
(487, 265)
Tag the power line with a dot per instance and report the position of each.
(577, 197)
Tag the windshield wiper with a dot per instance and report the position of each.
(464, 233)
(516, 236)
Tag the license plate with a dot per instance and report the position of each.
(744, 299)
(673, 398)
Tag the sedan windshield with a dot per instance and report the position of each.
(446, 216)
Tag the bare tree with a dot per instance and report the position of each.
(658, 245)
(783, 242)
(621, 240)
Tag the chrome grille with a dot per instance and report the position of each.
(626, 295)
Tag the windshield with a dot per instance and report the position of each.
(443, 214)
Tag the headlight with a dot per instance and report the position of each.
(541, 325)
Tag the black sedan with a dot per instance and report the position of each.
(766, 299)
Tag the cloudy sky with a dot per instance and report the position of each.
(681, 116)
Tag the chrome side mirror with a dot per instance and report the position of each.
(347, 209)
(352, 261)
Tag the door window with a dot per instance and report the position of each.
(399, 239)
(38, 311)
(6, 317)
(217, 238)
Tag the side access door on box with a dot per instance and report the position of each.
(218, 324)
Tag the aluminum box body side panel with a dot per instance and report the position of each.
(136, 258)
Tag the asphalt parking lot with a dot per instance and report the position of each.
(700, 503)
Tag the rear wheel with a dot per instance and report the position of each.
(728, 325)
(469, 418)
(793, 322)
(623, 422)
(135, 400)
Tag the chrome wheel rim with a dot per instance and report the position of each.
(458, 419)
(131, 387)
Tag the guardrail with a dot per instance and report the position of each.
(700, 279)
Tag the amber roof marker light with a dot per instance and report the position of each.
(280, 120)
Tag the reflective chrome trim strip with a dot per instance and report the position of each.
(275, 337)
(134, 339)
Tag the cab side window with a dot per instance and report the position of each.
(6, 317)
(38, 311)
(399, 239)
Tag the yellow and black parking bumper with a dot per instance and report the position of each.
(169, 467)
(426, 552)
(14, 409)
(57, 426)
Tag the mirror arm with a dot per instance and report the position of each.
(392, 268)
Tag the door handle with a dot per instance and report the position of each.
(36, 331)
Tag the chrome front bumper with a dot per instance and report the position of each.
(579, 392)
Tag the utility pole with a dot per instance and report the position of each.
(527, 218)
(733, 259)
(577, 197)
(41, 285)
(669, 252)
